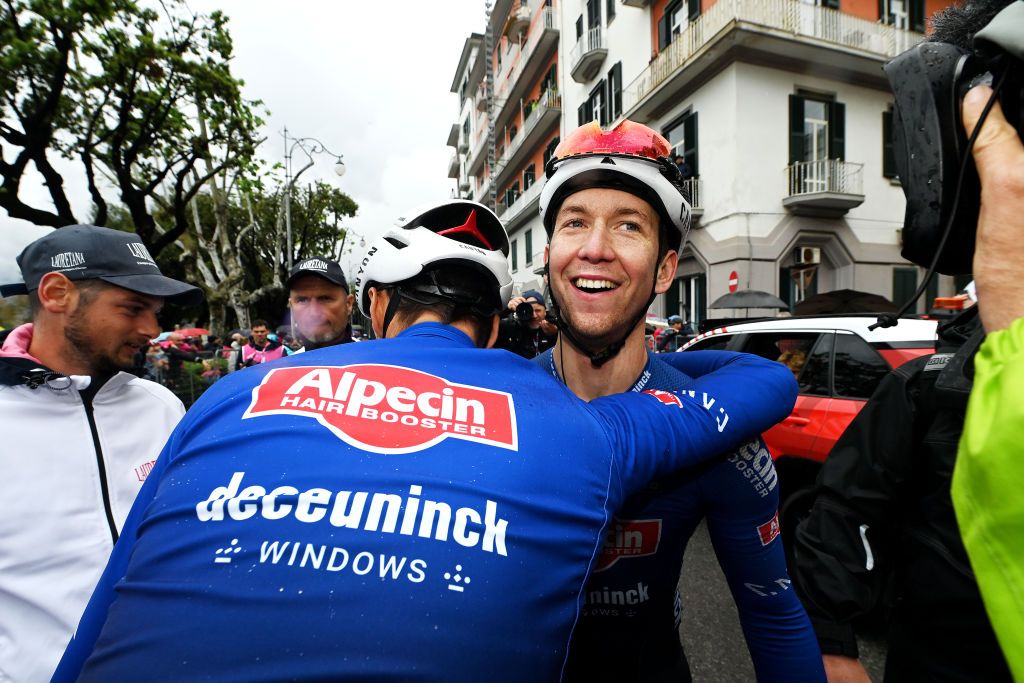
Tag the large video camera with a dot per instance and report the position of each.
(931, 150)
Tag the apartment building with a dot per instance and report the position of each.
(780, 108)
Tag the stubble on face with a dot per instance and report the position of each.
(101, 347)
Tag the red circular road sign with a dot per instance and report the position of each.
(734, 281)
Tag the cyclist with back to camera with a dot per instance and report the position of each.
(616, 219)
(411, 499)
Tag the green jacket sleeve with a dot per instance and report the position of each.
(988, 486)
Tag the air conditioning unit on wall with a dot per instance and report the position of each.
(807, 256)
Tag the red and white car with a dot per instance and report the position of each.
(838, 363)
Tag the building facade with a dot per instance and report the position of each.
(779, 107)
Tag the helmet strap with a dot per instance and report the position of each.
(391, 310)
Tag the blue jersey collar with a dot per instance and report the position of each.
(437, 330)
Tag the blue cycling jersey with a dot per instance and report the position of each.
(408, 509)
(628, 629)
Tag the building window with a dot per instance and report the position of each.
(596, 105)
(579, 27)
(593, 13)
(817, 129)
(797, 283)
(888, 158)
(528, 244)
(513, 251)
(687, 297)
(609, 11)
(682, 135)
(615, 92)
(677, 15)
(550, 82)
(512, 194)
(902, 14)
(904, 284)
(549, 151)
(512, 133)
(529, 177)
(465, 130)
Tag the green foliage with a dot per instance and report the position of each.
(144, 100)
(14, 311)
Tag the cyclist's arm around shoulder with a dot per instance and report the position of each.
(658, 431)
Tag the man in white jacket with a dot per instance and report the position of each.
(79, 434)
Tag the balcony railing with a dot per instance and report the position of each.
(508, 211)
(546, 20)
(826, 175)
(549, 101)
(791, 17)
(691, 188)
(828, 186)
(587, 55)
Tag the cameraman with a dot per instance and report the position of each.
(526, 328)
(989, 474)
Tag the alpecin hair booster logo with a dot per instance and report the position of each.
(387, 408)
(627, 538)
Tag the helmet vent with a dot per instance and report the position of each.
(608, 160)
(397, 244)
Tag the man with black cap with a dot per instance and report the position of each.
(80, 433)
(320, 303)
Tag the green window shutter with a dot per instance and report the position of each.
(692, 9)
(904, 284)
(581, 114)
(796, 128)
(837, 130)
(615, 91)
(833, 4)
(917, 15)
(690, 143)
(514, 252)
(888, 159)
(672, 302)
(664, 37)
(529, 246)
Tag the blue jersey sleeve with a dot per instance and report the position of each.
(742, 515)
(656, 432)
(699, 363)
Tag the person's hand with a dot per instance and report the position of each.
(999, 254)
(548, 328)
(515, 301)
(841, 669)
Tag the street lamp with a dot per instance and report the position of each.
(315, 147)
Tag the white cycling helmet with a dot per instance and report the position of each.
(456, 232)
(630, 157)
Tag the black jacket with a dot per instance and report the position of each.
(882, 528)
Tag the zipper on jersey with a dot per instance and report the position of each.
(87, 402)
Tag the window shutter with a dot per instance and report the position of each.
(579, 27)
(917, 15)
(581, 114)
(882, 15)
(664, 37)
(690, 143)
(693, 9)
(833, 4)
(837, 130)
(888, 159)
(796, 128)
(615, 91)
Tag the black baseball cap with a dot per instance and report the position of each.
(326, 268)
(88, 252)
(535, 296)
